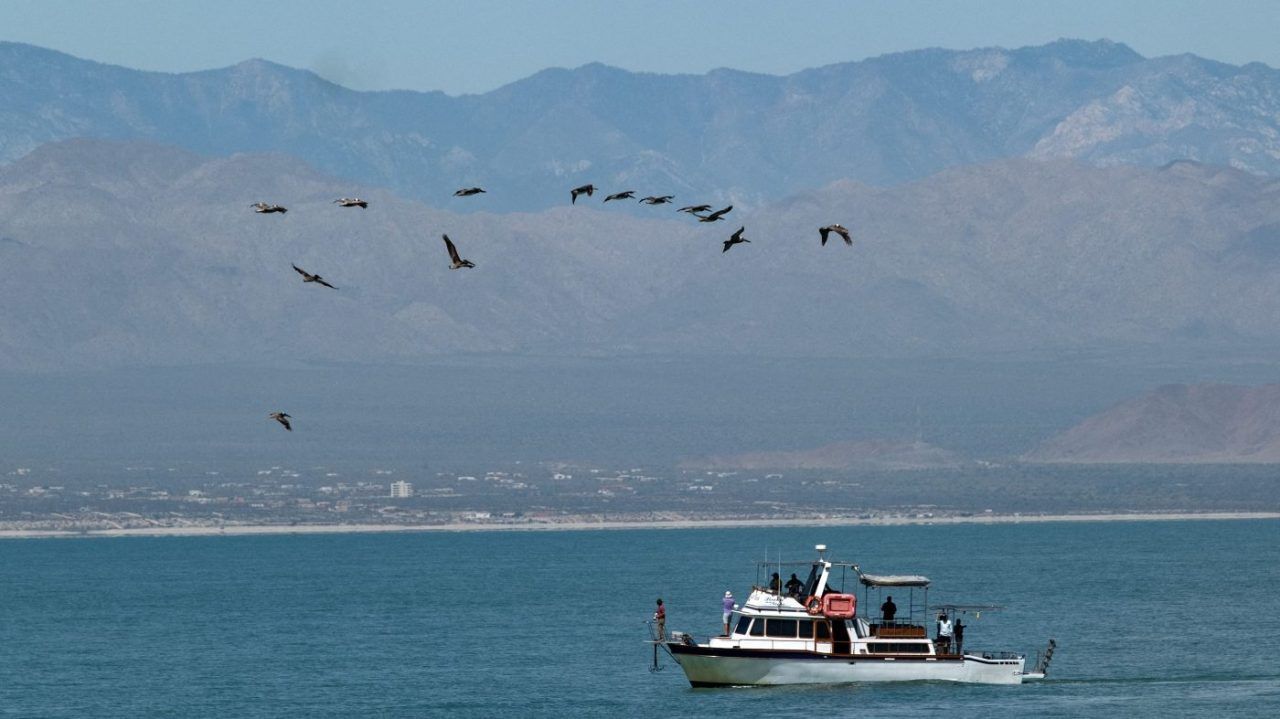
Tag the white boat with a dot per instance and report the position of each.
(815, 635)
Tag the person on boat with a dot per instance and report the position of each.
(775, 584)
(958, 636)
(794, 585)
(660, 621)
(944, 634)
(728, 605)
(889, 610)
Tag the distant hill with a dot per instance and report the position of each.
(723, 136)
(853, 454)
(121, 254)
(1177, 424)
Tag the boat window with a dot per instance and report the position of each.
(781, 628)
(899, 647)
(806, 628)
(822, 630)
(743, 623)
(757, 629)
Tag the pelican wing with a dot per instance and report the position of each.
(587, 189)
(453, 251)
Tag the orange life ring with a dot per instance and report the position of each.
(813, 606)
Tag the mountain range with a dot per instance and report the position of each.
(1177, 423)
(127, 253)
(724, 136)
(1001, 201)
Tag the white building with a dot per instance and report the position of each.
(401, 489)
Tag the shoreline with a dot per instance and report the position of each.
(580, 525)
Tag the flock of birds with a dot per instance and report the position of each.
(704, 213)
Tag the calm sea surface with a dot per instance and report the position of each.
(1152, 619)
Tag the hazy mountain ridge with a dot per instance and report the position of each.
(1206, 423)
(727, 135)
(849, 454)
(126, 253)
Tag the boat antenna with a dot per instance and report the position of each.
(766, 564)
(822, 549)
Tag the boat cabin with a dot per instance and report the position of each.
(820, 614)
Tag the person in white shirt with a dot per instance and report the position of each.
(944, 634)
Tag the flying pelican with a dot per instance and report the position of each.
(584, 190)
(468, 191)
(308, 277)
(659, 200)
(715, 216)
(734, 239)
(351, 202)
(839, 230)
(263, 208)
(458, 262)
(629, 194)
(282, 418)
(694, 209)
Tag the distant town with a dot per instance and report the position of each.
(134, 497)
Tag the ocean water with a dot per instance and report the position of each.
(1151, 618)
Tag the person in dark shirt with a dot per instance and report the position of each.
(957, 633)
(775, 583)
(889, 610)
(794, 585)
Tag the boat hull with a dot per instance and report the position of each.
(711, 667)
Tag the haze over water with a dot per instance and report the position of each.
(551, 624)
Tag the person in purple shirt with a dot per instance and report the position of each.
(729, 606)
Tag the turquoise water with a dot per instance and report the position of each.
(1152, 619)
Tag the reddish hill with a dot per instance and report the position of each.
(1177, 424)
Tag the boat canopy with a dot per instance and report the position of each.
(893, 580)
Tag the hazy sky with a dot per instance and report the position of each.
(476, 45)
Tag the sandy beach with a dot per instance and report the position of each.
(570, 525)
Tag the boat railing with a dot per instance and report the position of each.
(997, 655)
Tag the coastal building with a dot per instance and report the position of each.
(401, 489)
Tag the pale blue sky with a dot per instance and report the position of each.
(476, 45)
